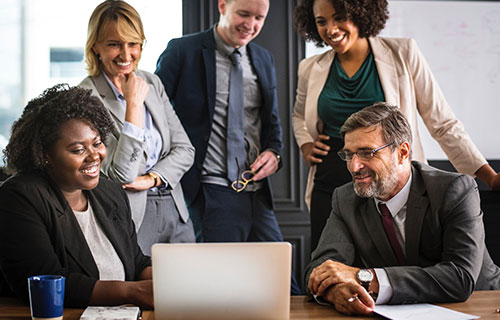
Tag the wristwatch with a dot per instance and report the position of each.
(278, 157)
(365, 277)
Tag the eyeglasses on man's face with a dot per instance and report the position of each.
(246, 177)
(363, 154)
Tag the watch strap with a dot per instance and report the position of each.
(366, 285)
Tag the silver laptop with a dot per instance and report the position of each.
(222, 280)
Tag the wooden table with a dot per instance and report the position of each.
(16, 309)
(481, 303)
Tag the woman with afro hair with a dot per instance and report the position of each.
(359, 70)
(58, 216)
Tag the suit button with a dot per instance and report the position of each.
(199, 166)
(205, 138)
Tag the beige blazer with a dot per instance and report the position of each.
(126, 157)
(408, 83)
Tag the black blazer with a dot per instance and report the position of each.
(187, 70)
(39, 234)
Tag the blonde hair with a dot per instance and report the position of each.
(128, 25)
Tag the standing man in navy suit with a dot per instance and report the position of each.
(197, 73)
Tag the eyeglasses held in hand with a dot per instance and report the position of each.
(362, 154)
(246, 177)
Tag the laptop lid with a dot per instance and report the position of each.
(222, 280)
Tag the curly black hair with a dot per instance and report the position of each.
(38, 128)
(369, 16)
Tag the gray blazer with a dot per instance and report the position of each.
(445, 251)
(126, 157)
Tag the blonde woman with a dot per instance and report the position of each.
(149, 150)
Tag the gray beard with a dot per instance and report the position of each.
(378, 187)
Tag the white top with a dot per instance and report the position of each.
(107, 260)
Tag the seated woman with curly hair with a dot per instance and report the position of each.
(58, 216)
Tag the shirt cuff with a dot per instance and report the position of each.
(133, 131)
(384, 287)
(320, 300)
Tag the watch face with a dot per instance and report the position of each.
(365, 275)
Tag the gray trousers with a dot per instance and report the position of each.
(162, 222)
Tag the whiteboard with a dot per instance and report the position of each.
(461, 42)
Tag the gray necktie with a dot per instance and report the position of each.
(235, 134)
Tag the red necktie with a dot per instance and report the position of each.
(388, 222)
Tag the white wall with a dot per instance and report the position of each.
(461, 43)
(63, 23)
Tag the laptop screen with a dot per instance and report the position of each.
(222, 280)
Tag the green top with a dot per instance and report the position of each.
(343, 96)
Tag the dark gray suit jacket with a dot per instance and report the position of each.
(39, 234)
(126, 157)
(445, 251)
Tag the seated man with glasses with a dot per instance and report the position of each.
(402, 231)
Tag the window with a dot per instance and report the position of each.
(44, 41)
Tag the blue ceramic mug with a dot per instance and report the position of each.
(46, 296)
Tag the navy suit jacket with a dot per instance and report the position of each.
(187, 70)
